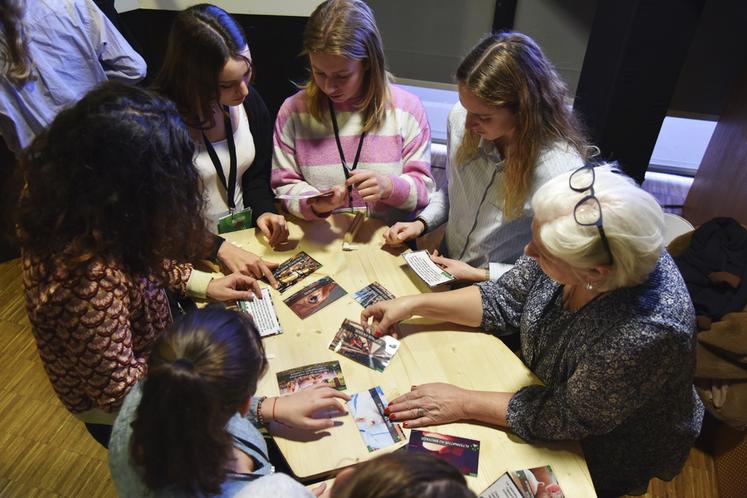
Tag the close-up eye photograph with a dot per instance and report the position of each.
(373, 249)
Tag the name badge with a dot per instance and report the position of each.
(236, 221)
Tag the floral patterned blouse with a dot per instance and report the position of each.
(618, 373)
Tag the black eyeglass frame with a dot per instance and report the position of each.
(599, 222)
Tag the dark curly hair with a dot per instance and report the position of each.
(199, 374)
(113, 177)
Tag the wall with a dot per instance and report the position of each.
(432, 48)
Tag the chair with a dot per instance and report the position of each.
(674, 226)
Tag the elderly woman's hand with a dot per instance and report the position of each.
(429, 404)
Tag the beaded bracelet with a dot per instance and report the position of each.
(260, 417)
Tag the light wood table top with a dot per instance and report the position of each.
(434, 352)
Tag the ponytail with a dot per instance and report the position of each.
(201, 371)
(17, 67)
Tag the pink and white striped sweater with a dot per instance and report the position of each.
(306, 158)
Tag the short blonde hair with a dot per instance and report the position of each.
(633, 223)
(348, 28)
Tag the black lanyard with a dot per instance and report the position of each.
(230, 186)
(344, 163)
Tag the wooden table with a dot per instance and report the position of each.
(445, 353)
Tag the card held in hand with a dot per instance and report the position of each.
(426, 269)
(263, 313)
(377, 431)
(352, 341)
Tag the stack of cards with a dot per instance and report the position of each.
(525, 483)
(462, 453)
(300, 378)
(291, 271)
(426, 269)
(263, 313)
(352, 341)
(372, 293)
(314, 297)
(377, 431)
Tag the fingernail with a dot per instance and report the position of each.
(377, 332)
(386, 411)
(406, 424)
(392, 417)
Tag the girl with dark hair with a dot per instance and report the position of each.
(108, 219)
(189, 428)
(207, 73)
(510, 132)
(349, 130)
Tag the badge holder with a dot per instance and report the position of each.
(235, 221)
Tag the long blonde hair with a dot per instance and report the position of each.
(348, 28)
(17, 67)
(509, 70)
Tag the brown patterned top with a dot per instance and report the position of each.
(94, 326)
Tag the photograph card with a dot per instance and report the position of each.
(263, 313)
(372, 293)
(291, 271)
(314, 297)
(462, 453)
(352, 341)
(300, 378)
(305, 195)
(426, 269)
(525, 483)
(377, 431)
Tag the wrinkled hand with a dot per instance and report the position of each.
(402, 231)
(385, 315)
(297, 409)
(274, 227)
(460, 269)
(237, 259)
(371, 186)
(429, 404)
(325, 205)
(233, 287)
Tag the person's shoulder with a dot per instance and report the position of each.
(405, 99)
(274, 485)
(294, 104)
(555, 159)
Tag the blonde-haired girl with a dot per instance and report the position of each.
(349, 130)
(509, 133)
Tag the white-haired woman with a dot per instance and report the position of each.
(605, 322)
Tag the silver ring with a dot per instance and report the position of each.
(421, 413)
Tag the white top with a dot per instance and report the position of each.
(216, 197)
(471, 198)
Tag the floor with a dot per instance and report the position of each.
(46, 452)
